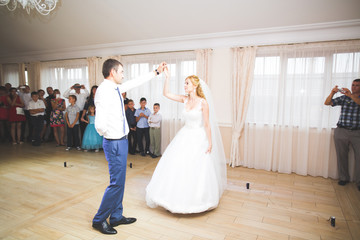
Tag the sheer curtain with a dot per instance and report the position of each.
(10, 74)
(63, 74)
(288, 127)
(181, 65)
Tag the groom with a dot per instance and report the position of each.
(110, 122)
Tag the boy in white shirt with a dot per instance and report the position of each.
(36, 109)
(155, 131)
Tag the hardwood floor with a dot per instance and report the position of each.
(41, 199)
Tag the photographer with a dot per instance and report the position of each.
(81, 97)
(348, 129)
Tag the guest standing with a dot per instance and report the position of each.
(57, 121)
(91, 140)
(81, 97)
(348, 130)
(16, 115)
(155, 131)
(72, 114)
(142, 127)
(36, 109)
(89, 102)
(25, 95)
(131, 120)
(4, 113)
(42, 98)
(49, 110)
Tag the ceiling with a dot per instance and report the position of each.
(85, 24)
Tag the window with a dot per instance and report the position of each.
(180, 64)
(63, 74)
(290, 87)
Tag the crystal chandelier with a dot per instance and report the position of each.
(44, 7)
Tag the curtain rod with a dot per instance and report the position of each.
(135, 54)
(291, 44)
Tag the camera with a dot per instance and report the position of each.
(77, 86)
(341, 90)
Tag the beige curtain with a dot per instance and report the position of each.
(203, 63)
(244, 62)
(95, 71)
(95, 68)
(22, 80)
(33, 70)
(2, 82)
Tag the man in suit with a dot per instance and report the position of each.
(110, 122)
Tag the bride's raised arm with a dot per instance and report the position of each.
(167, 93)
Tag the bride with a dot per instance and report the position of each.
(191, 174)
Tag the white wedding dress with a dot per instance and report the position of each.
(186, 179)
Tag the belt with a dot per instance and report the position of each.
(349, 128)
(123, 138)
(154, 127)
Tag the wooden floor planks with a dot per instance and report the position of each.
(40, 199)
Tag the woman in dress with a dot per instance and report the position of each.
(4, 112)
(191, 174)
(57, 117)
(16, 115)
(89, 102)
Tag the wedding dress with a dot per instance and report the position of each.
(187, 179)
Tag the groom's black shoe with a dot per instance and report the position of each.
(104, 228)
(124, 220)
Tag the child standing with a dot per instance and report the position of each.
(72, 114)
(91, 139)
(132, 126)
(142, 127)
(155, 132)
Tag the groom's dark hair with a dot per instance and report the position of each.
(109, 65)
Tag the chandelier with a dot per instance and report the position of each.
(44, 7)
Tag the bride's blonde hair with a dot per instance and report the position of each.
(196, 82)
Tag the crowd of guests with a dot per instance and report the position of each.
(23, 111)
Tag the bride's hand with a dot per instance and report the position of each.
(167, 72)
(209, 149)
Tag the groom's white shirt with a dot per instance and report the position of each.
(110, 111)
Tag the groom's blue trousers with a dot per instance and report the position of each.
(116, 152)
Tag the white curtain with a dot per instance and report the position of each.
(10, 74)
(203, 63)
(181, 65)
(243, 70)
(288, 127)
(63, 74)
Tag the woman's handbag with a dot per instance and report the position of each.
(20, 111)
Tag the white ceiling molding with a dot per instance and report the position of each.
(341, 30)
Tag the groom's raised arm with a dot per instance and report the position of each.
(124, 87)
